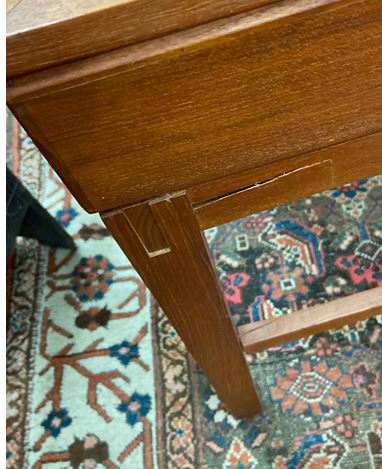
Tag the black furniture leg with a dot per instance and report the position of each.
(26, 217)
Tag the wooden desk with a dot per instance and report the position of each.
(172, 117)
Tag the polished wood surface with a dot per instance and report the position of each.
(201, 104)
(171, 117)
(291, 185)
(147, 230)
(184, 282)
(66, 30)
(239, 195)
(272, 332)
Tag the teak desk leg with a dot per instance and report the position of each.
(163, 241)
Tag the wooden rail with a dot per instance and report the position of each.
(272, 332)
(240, 195)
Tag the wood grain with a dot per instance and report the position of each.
(272, 332)
(298, 183)
(351, 161)
(198, 105)
(43, 33)
(183, 281)
(102, 66)
(245, 112)
(147, 229)
(240, 195)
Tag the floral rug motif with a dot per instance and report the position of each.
(97, 377)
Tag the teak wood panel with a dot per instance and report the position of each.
(272, 185)
(184, 282)
(62, 31)
(295, 184)
(272, 332)
(202, 104)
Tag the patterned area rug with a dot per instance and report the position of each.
(97, 377)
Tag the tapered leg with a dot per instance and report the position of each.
(163, 241)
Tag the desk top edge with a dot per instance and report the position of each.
(45, 33)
